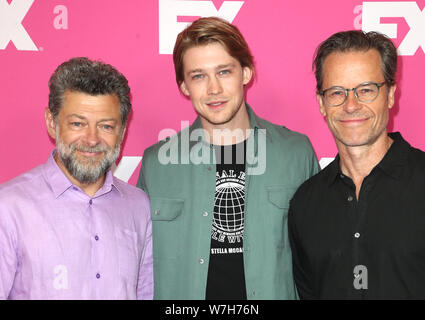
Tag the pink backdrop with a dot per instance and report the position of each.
(37, 35)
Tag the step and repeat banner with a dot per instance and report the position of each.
(137, 37)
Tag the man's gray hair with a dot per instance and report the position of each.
(90, 77)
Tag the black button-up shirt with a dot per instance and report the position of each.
(372, 247)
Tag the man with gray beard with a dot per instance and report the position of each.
(68, 228)
(88, 172)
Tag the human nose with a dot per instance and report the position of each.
(92, 136)
(214, 86)
(351, 104)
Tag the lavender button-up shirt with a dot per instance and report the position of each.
(58, 243)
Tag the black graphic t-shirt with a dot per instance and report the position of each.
(226, 277)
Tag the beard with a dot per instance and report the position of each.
(86, 170)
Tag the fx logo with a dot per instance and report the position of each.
(11, 29)
(409, 10)
(171, 10)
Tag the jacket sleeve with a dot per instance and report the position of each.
(315, 168)
(312, 162)
(141, 182)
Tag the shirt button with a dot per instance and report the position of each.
(96, 238)
(357, 235)
(97, 275)
(342, 176)
(201, 261)
(157, 212)
(350, 198)
(205, 214)
(209, 168)
(91, 201)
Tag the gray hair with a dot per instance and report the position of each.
(91, 77)
(357, 40)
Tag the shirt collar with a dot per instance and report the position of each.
(55, 177)
(334, 170)
(60, 183)
(396, 156)
(391, 163)
(110, 183)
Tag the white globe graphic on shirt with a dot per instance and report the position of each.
(229, 206)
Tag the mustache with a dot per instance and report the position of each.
(353, 116)
(84, 148)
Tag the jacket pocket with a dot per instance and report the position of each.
(167, 227)
(165, 209)
(280, 196)
(277, 217)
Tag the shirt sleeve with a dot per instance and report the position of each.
(302, 276)
(145, 283)
(8, 256)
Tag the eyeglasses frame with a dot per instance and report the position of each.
(378, 85)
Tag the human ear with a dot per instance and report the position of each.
(50, 123)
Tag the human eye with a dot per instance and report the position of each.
(336, 92)
(77, 124)
(335, 95)
(224, 72)
(367, 91)
(364, 90)
(197, 76)
(107, 127)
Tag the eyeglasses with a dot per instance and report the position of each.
(364, 92)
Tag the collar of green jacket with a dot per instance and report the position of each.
(256, 124)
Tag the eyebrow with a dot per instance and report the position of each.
(194, 71)
(84, 118)
(221, 66)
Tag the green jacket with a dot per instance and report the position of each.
(182, 202)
